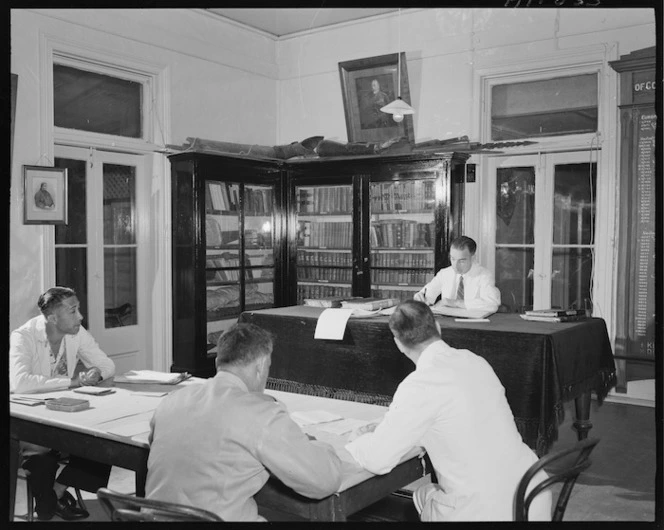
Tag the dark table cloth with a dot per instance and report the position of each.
(542, 365)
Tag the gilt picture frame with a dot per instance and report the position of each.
(44, 195)
(368, 84)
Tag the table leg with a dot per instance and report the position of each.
(141, 477)
(14, 457)
(582, 423)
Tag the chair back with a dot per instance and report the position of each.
(122, 507)
(567, 475)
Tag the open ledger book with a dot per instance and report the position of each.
(459, 312)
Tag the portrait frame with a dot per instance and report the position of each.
(364, 123)
(44, 195)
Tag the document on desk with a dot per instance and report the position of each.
(331, 323)
(344, 426)
(313, 417)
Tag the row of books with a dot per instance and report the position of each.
(555, 315)
(402, 259)
(225, 197)
(321, 291)
(400, 277)
(401, 233)
(401, 294)
(221, 196)
(325, 234)
(409, 195)
(329, 275)
(325, 199)
(315, 257)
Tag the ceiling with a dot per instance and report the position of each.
(281, 22)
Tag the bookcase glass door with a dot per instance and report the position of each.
(324, 241)
(239, 259)
(402, 235)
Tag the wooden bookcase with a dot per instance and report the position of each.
(253, 233)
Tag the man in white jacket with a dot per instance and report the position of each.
(454, 406)
(43, 355)
(465, 283)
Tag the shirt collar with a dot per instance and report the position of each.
(430, 351)
(40, 327)
(231, 379)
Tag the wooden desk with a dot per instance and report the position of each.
(541, 365)
(115, 431)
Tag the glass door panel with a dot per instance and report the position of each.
(120, 273)
(573, 228)
(259, 246)
(515, 236)
(324, 241)
(401, 236)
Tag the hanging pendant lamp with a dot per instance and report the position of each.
(398, 108)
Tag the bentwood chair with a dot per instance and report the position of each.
(127, 508)
(562, 466)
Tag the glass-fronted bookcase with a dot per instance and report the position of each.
(227, 245)
(372, 226)
(250, 234)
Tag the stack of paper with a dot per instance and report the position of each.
(150, 376)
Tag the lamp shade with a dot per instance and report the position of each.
(398, 106)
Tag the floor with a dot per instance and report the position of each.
(619, 486)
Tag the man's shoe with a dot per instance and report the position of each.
(45, 505)
(67, 508)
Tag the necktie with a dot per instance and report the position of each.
(460, 289)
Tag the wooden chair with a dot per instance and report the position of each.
(127, 508)
(570, 469)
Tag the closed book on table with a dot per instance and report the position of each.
(555, 312)
(66, 404)
(564, 318)
(328, 301)
(370, 304)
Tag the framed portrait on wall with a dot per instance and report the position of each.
(367, 85)
(44, 195)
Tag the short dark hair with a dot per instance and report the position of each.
(52, 298)
(242, 344)
(462, 242)
(412, 323)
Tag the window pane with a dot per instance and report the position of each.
(514, 277)
(515, 205)
(574, 204)
(120, 286)
(93, 102)
(548, 107)
(71, 270)
(75, 229)
(119, 204)
(571, 276)
(259, 246)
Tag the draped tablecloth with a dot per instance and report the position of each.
(542, 365)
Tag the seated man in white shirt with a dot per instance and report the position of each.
(43, 355)
(465, 283)
(454, 406)
(214, 445)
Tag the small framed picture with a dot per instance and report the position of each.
(44, 195)
(367, 85)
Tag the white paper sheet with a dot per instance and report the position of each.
(311, 417)
(342, 427)
(331, 323)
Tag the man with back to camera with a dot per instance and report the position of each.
(214, 445)
(455, 407)
(465, 283)
(43, 355)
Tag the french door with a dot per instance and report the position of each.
(101, 251)
(540, 225)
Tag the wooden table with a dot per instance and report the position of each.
(541, 365)
(115, 431)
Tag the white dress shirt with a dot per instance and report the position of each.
(480, 291)
(30, 357)
(455, 407)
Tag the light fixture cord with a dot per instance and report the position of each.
(399, 57)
